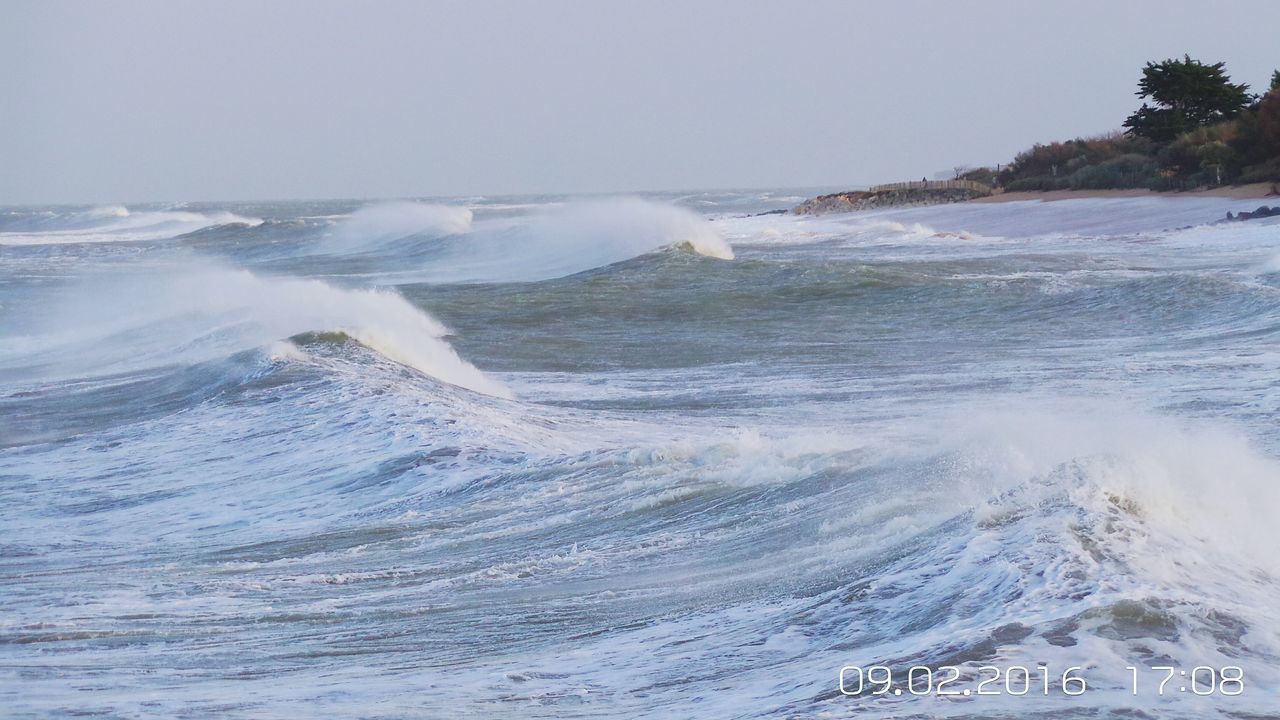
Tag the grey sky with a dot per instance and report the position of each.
(129, 101)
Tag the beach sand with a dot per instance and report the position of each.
(1239, 192)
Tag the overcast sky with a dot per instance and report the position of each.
(130, 101)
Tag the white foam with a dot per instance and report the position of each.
(285, 351)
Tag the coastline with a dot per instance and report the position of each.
(1254, 191)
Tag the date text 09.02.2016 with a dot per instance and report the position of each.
(879, 680)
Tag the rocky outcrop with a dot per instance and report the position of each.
(1261, 212)
(870, 200)
(834, 203)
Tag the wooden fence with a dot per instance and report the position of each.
(934, 185)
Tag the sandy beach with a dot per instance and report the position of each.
(1239, 192)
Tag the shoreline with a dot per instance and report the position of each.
(1253, 191)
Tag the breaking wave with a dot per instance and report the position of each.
(570, 239)
(196, 314)
(375, 225)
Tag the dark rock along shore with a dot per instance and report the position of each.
(869, 200)
(1262, 212)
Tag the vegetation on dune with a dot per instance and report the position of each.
(1194, 129)
(1187, 94)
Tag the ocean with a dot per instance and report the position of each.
(652, 457)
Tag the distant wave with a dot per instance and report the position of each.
(106, 211)
(116, 223)
(196, 314)
(375, 225)
(570, 239)
(886, 231)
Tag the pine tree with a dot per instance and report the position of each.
(1187, 94)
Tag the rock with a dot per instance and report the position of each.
(836, 202)
(866, 200)
(1262, 212)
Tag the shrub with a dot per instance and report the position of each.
(1042, 183)
(1268, 171)
(1169, 183)
(1125, 171)
(1058, 161)
(1181, 156)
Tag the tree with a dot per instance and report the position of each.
(1187, 94)
(1275, 80)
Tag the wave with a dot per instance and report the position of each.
(892, 230)
(569, 239)
(1095, 217)
(116, 223)
(196, 314)
(1198, 483)
(107, 211)
(375, 225)
(1095, 528)
(1269, 266)
(857, 230)
(1081, 525)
